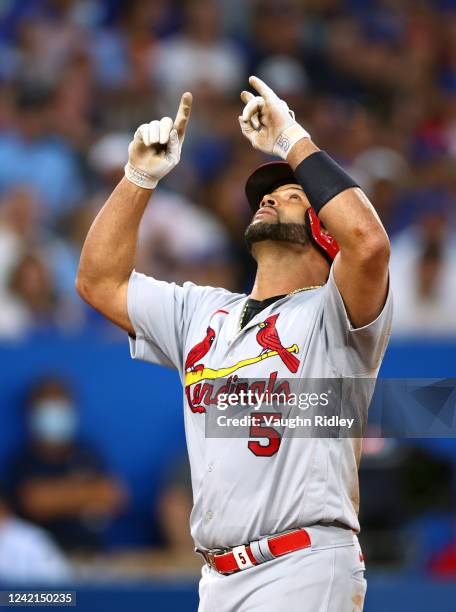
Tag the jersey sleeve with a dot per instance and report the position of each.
(353, 351)
(156, 311)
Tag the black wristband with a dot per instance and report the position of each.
(322, 179)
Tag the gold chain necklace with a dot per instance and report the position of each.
(304, 289)
(244, 310)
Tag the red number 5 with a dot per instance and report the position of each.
(259, 430)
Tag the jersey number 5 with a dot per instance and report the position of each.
(262, 429)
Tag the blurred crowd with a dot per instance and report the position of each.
(59, 502)
(374, 81)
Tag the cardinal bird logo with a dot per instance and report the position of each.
(199, 351)
(268, 338)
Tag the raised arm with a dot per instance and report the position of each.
(361, 268)
(108, 255)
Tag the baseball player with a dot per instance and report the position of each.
(275, 518)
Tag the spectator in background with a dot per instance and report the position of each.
(107, 158)
(28, 554)
(199, 57)
(383, 174)
(32, 295)
(18, 228)
(56, 481)
(287, 77)
(122, 55)
(174, 553)
(276, 31)
(37, 269)
(121, 58)
(27, 296)
(404, 525)
(173, 512)
(72, 106)
(382, 467)
(47, 37)
(31, 155)
(179, 241)
(422, 277)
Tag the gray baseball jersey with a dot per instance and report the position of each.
(246, 488)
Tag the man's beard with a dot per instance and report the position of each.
(295, 233)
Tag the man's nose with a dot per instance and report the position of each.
(268, 201)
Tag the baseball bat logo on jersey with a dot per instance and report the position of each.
(271, 346)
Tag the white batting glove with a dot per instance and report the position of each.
(156, 147)
(268, 122)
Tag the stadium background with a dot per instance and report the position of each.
(374, 81)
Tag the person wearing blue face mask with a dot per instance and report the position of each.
(53, 422)
(58, 482)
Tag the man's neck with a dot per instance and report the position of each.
(283, 268)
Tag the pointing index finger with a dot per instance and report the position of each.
(264, 90)
(183, 114)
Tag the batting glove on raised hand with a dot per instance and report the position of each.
(268, 122)
(156, 147)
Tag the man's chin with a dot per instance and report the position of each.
(261, 230)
